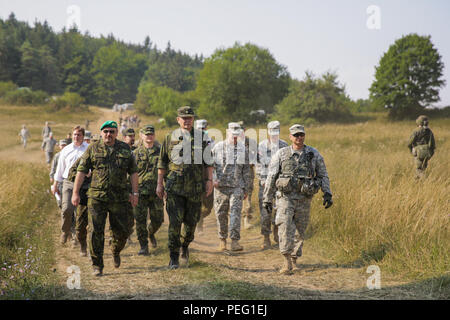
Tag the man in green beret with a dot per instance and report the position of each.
(110, 161)
(147, 155)
(186, 173)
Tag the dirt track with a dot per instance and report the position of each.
(211, 273)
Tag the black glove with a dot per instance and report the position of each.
(267, 206)
(327, 202)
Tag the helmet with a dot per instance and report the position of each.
(422, 120)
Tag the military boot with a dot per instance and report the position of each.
(174, 264)
(116, 260)
(144, 250)
(153, 241)
(98, 272)
(185, 256)
(266, 242)
(235, 246)
(287, 266)
(223, 245)
(275, 234)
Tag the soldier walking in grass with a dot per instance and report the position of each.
(48, 146)
(422, 145)
(46, 131)
(266, 149)
(24, 135)
(295, 174)
(231, 185)
(110, 161)
(183, 176)
(147, 155)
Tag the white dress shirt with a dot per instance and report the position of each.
(68, 156)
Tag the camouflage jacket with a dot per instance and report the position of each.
(147, 166)
(265, 153)
(285, 163)
(185, 156)
(54, 165)
(110, 166)
(49, 144)
(231, 167)
(73, 174)
(422, 136)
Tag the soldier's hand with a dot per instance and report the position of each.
(327, 201)
(134, 200)
(209, 187)
(160, 191)
(75, 199)
(267, 206)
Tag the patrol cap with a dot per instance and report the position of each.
(274, 128)
(235, 128)
(148, 129)
(87, 135)
(296, 128)
(186, 111)
(109, 124)
(129, 132)
(201, 124)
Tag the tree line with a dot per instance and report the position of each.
(242, 82)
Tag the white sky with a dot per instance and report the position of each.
(302, 35)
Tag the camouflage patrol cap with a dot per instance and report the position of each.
(422, 120)
(296, 128)
(274, 128)
(129, 132)
(185, 111)
(148, 129)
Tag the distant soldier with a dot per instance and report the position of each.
(48, 146)
(185, 170)
(62, 144)
(422, 145)
(266, 149)
(129, 138)
(147, 155)
(110, 161)
(207, 201)
(46, 131)
(231, 185)
(24, 134)
(296, 173)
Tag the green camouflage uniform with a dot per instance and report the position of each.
(147, 165)
(422, 145)
(184, 183)
(108, 193)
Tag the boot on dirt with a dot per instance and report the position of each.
(153, 241)
(266, 242)
(98, 272)
(275, 235)
(287, 266)
(174, 264)
(116, 260)
(144, 250)
(223, 245)
(235, 246)
(63, 238)
(185, 256)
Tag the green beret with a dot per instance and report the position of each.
(185, 111)
(109, 124)
(148, 129)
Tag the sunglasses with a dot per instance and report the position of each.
(299, 135)
(109, 131)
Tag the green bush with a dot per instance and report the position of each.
(25, 97)
(69, 100)
(6, 86)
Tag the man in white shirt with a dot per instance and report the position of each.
(68, 156)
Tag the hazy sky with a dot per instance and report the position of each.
(345, 36)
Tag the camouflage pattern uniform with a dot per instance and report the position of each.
(48, 145)
(147, 164)
(207, 201)
(422, 145)
(182, 157)
(293, 205)
(24, 134)
(45, 132)
(233, 174)
(108, 193)
(251, 146)
(265, 153)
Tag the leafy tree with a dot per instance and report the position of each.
(408, 76)
(240, 79)
(314, 99)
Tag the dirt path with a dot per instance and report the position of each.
(249, 274)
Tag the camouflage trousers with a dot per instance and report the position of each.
(267, 219)
(247, 203)
(119, 220)
(292, 215)
(181, 211)
(156, 207)
(82, 223)
(130, 213)
(228, 200)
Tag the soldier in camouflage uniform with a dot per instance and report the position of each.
(24, 134)
(46, 131)
(147, 155)
(266, 149)
(207, 201)
(184, 168)
(231, 185)
(48, 146)
(296, 173)
(110, 160)
(422, 145)
(62, 144)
